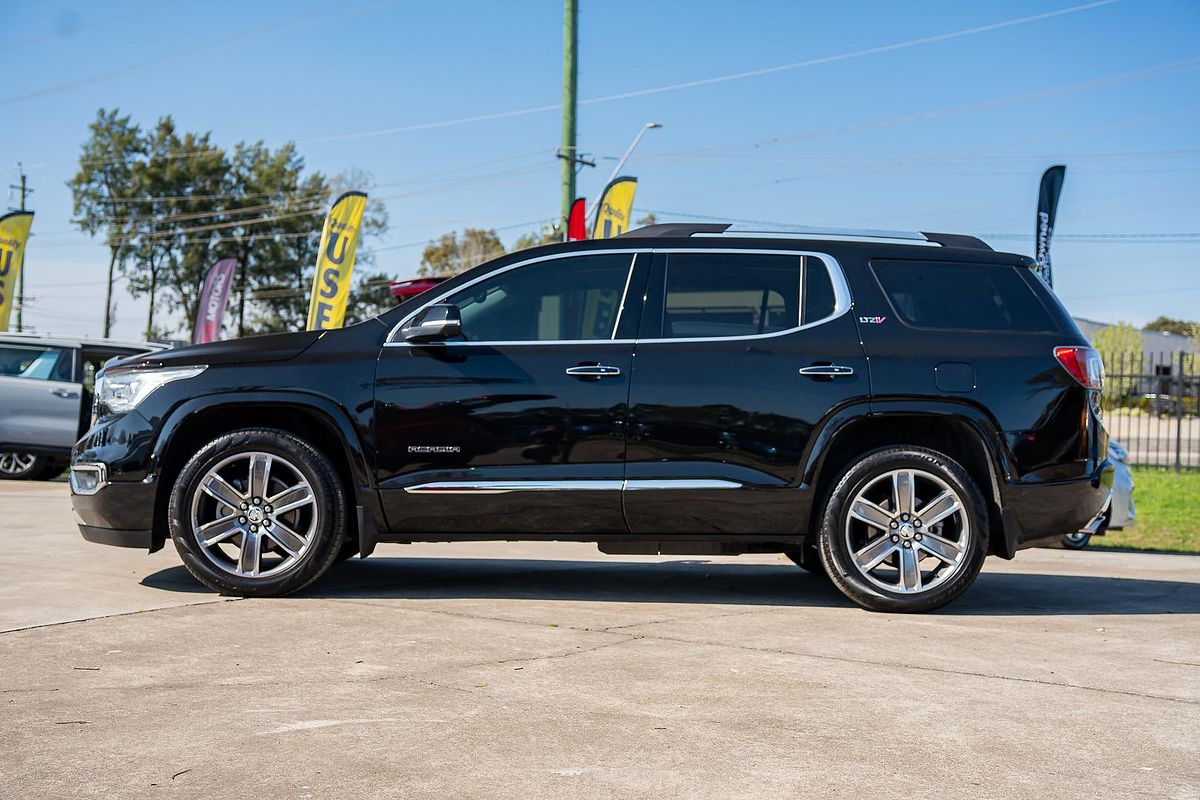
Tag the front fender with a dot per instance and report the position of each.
(324, 409)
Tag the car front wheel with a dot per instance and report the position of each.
(258, 513)
(904, 530)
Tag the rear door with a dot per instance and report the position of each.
(39, 397)
(740, 354)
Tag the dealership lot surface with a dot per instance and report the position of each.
(513, 670)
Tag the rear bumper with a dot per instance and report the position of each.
(1043, 510)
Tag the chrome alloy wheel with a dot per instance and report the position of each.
(907, 531)
(16, 463)
(254, 515)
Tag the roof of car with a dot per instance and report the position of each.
(730, 230)
(13, 337)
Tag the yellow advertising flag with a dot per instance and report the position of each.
(615, 208)
(335, 262)
(14, 234)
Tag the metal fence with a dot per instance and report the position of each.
(1150, 407)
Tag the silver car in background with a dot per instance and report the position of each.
(46, 398)
(1121, 512)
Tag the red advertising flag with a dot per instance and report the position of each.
(214, 296)
(577, 222)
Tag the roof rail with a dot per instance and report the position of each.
(731, 230)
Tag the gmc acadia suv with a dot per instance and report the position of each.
(887, 409)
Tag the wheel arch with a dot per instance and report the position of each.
(320, 422)
(959, 430)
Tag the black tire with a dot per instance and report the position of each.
(13, 466)
(348, 550)
(835, 550)
(328, 520)
(808, 558)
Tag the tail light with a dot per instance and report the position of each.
(1084, 364)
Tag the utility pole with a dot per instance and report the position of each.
(25, 191)
(568, 152)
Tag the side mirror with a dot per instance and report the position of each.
(435, 323)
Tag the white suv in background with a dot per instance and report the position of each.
(46, 398)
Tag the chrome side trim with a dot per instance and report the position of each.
(841, 297)
(679, 483)
(811, 231)
(101, 471)
(832, 237)
(504, 487)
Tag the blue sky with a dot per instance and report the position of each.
(946, 135)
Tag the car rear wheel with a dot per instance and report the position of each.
(904, 530)
(258, 513)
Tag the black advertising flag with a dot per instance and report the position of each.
(1052, 182)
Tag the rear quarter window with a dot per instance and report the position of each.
(950, 295)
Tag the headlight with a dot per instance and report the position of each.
(124, 390)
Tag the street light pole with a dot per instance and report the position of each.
(629, 150)
(620, 164)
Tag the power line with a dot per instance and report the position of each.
(735, 76)
(210, 45)
(665, 88)
(1132, 76)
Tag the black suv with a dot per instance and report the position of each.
(885, 408)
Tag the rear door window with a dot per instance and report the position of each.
(947, 295)
(713, 295)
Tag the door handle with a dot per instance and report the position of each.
(827, 370)
(64, 393)
(593, 371)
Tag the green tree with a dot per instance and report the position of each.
(171, 240)
(1119, 345)
(549, 234)
(102, 189)
(171, 203)
(1182, 327)
(450, 254)
(274, 221)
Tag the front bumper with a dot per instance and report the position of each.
(142, 540)
(112, 490)
(119, 513)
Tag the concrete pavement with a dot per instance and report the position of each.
(550, 670)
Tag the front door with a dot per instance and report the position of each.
(518, 425)
(740, 355)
